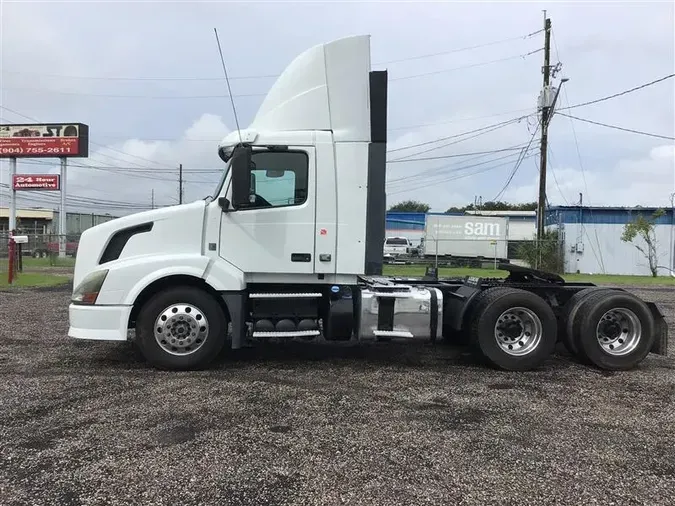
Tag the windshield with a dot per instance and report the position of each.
(221, 182)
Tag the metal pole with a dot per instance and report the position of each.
(62, 210)
(12, 195)
(180, 183)
(672, 229)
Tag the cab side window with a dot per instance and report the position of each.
(279, 179)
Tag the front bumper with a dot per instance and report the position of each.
(101, 323)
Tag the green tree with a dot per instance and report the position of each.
(411, 206)
(545, 255)
(495, 206)
(644, 228)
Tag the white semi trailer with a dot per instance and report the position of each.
(465, 236)
(290, 245)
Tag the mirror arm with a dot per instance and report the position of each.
(224, 204)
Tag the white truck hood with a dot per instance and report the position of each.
(175, 229)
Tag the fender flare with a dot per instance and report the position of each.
(220, 276)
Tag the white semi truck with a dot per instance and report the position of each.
(290, 246)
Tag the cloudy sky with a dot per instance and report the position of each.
(146, 77)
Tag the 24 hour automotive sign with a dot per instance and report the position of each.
(35, 182)
(49, 140)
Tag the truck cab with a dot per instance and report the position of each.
(289, 245)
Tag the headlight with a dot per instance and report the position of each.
(87, 291)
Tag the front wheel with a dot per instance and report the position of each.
(181, 328)
(514, 329)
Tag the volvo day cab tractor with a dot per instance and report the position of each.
(290, 246)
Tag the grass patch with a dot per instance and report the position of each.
(30, 262)
(598, 279)
(34, 279)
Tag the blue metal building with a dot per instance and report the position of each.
(592, 239)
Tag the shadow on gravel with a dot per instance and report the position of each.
(285, 356)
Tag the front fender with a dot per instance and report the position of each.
(128, 278)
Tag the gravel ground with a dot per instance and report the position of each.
(91, 423)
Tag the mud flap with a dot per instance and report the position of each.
(660, 346)
(236, 305)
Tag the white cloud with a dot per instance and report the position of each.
(176, 40)
(647, 180)
(130, 171)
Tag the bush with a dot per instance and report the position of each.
(545, 255)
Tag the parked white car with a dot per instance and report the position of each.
(397, 246)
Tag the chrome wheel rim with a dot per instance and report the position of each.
(518, 331)
(181, 329)
(619, 331)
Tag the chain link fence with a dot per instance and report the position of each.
(39, 255)
(546, 254)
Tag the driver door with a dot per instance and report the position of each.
(274, 233)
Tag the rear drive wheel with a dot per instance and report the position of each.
(181, 328)
(569, 315)
(514, 329)
(615, 330)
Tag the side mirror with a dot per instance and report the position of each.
(241, 176)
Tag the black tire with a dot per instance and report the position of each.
(206, 307)
(490, 306)
(568, 316)
(589, 318)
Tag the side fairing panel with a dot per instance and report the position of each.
(352, 163)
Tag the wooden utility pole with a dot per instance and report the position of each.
(153, 199)
(545, 112)
(180, 183)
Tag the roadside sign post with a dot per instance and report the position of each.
(12, 195)
(43, 140)
(62, 210)
(10, 270)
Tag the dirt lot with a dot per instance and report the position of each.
(90, 423)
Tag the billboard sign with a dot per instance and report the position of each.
(35, 182)
(48, 140)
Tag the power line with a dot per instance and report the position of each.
(620, 94)
(454, 177)
(268, 76)
(517, 166)
(468, 48)
(77, 200)
(455, 155)
(248, 95)
(430, 173)
(630, 130)
(440, 139)
(555, 178)
(598, 257)
(145, 97)
(90, 141)
(470, 66)
(402, 127)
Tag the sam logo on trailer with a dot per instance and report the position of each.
(481, 229)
